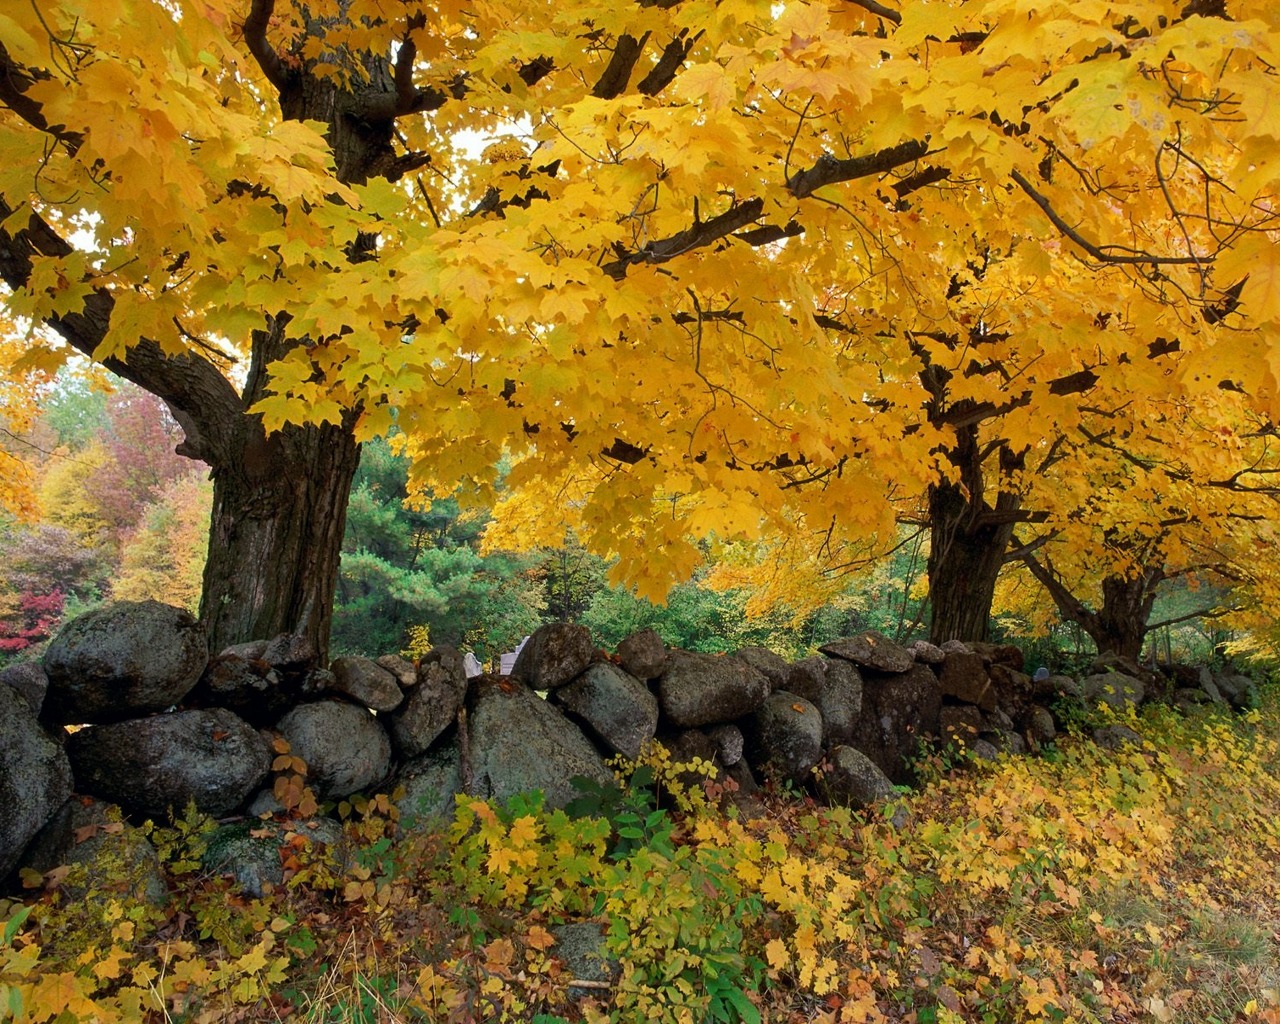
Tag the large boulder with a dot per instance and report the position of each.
(643, 654)
(519, 742)
(784, 738)
(247, 686)
(150, 766)
(366, 682)
(854, 780)
(555, 654)
(428, 784)
(834, 687)
(1115, 689)
(123, 660)
(871, 650)
(960, 724)
(964, 677)
(768, 663)
(703, 689)
(898, 711)
(345, 747)
(28, 679)
(615, 706)
(35, 777)
(430, 707)
(1238, 689)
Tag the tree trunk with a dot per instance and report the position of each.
(275, 539)
(965, 556)
(1120, 625)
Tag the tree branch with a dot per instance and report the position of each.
(672, 59)
(626, 51)
(879, 10)
(829, 169)
(1117, 254)
(201, 398)
(255, 38)
(702, 233)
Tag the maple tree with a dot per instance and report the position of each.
(735, 270)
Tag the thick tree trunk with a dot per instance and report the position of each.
(276, 539)
(965, 556)
(1120, 625)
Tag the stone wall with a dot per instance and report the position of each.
(156, 723)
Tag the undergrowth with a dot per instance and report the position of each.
(1085, 886)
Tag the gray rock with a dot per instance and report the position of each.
(854, 780)
(345, 747)
(265, 804)
(615, 706)
(249, 851)
(960, 724)
(964, 677)
(898, 711)
(404, 671)
(768, 663)
(430, 782)
(996, 720)
(1116, 737)
(984, 750)
(432, 705)
(123, 660)
(643, 654)
(1114, 689)
(689, 745)
(1240, 691)
(871, 650)
(249, 688)
(834, 687)
(554, 655)
(366, 683)
(1040, 725)
(948, 646)
(152, 765)
(520, 742)
(1062, 686)
(1210, 687)
(90, 837)
(35, 777)
(582, 948)
(784, 738)
(28, 679)
(291, 653)
(1006, 740)
(729, 743)
(703, 689)
(926, 653)
(252, 650)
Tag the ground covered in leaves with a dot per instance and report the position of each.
(1082, 885)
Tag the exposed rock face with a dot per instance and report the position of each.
(616, 707)
(960, 724)
(405, 673)
(250, 688)
(1040, 725)
(366, 683)
(345, 748)
(35, 777)
(431, 781)
(431, 705)
(29, 680)
(123, 660)
(854, 780)
(520, 742)
(729, 743)
(897, 711)
(643, 654)
(871, 650)
(152, 765)
(784, 737)
(926, 653)
(1239, 690)
(964, 676)
(768, 663)
(702, 689)
(1116, 737)
(835, 688)
(555, 654)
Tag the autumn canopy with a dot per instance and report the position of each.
(757, 272)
